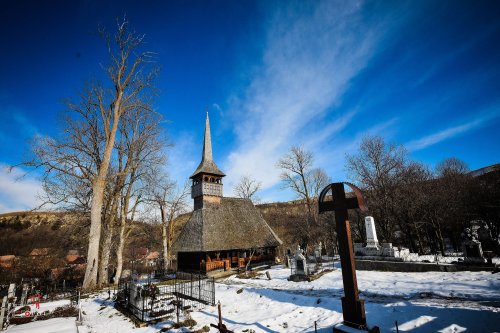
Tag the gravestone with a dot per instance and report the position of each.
(300, 262)
(12, 290)
(24, 294)
(472, 248)
(373, 250)
(300, 271)
(317, 252)
(371, 233)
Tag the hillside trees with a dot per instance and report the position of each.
(83, 153)
(412, 204)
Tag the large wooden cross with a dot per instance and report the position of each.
(353, 308)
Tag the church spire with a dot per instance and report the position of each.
(207, 142)
(207, 165)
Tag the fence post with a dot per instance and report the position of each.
(213, 291)
(199, 287)
(191, 294)
(143, 298)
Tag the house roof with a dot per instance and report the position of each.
(207, 165)
(40, 251)
(234, 224)
(75, 259)
(7, 260)
(8, 257)
(153, 255)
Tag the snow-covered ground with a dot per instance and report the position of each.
(419, 302)
(56, 325)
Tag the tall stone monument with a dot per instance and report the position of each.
(373, 250)
(371, 233)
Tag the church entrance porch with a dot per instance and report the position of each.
(206, 262)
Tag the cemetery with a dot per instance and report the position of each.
(226, 236)
(301, 166)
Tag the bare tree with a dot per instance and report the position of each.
(451, 166)
(377, 169)
(84, 150)
(171, 201)
(141, 153)
(247, 187)
(300, 176)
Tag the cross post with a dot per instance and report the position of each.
(353, 308)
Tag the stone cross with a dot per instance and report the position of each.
(353, 308)
(371, 233)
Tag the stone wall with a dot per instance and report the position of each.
(398, 266)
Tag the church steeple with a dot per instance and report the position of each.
(207, 178)
(207, 165)
(207, 141)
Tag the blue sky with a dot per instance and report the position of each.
(321, 74)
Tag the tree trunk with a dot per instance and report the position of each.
(419, 238)
(98, 186)
(164, 237)
(440, 239)
(90, 280)
(119, 253)
(105, 253)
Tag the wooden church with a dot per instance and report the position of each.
(222, 233)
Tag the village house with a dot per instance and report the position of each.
(39, 252)
(7, 261)
(152, 258)
(222, 232)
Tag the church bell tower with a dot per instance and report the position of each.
(207, 179)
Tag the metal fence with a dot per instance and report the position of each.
(184, 292)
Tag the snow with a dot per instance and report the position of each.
(56, 325)
(419, 302)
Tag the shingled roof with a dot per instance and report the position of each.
(234, 224)
(207, 165)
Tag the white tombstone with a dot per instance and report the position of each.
(371, 233)
(317, 250)
(24, 294)
(300, 262)
(12, 290)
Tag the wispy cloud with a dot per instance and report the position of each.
(18, 191)
(218, 109)
(448, 133)
(310, 56)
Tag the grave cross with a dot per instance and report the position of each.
(353, 308)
